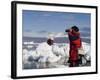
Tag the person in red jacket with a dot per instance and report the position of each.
(75, 44)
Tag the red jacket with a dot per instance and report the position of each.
(75, 39)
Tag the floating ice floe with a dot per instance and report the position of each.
(63, 51)
(31, 42)
(29, 46)
(45, 53)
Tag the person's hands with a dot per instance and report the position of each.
(70, 30)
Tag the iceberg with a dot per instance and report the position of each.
(53, 54)
(46, 53)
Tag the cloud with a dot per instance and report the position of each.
(46, 15)
(87, 37)
(59, 34)
(28, 30)
(69, 17)
(86, 28)
(42, 31)
(35, 34)
(28, 34)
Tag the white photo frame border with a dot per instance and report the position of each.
(16, 64)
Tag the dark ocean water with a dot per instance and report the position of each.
(56, 40)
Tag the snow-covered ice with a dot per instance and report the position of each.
(57, 53)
